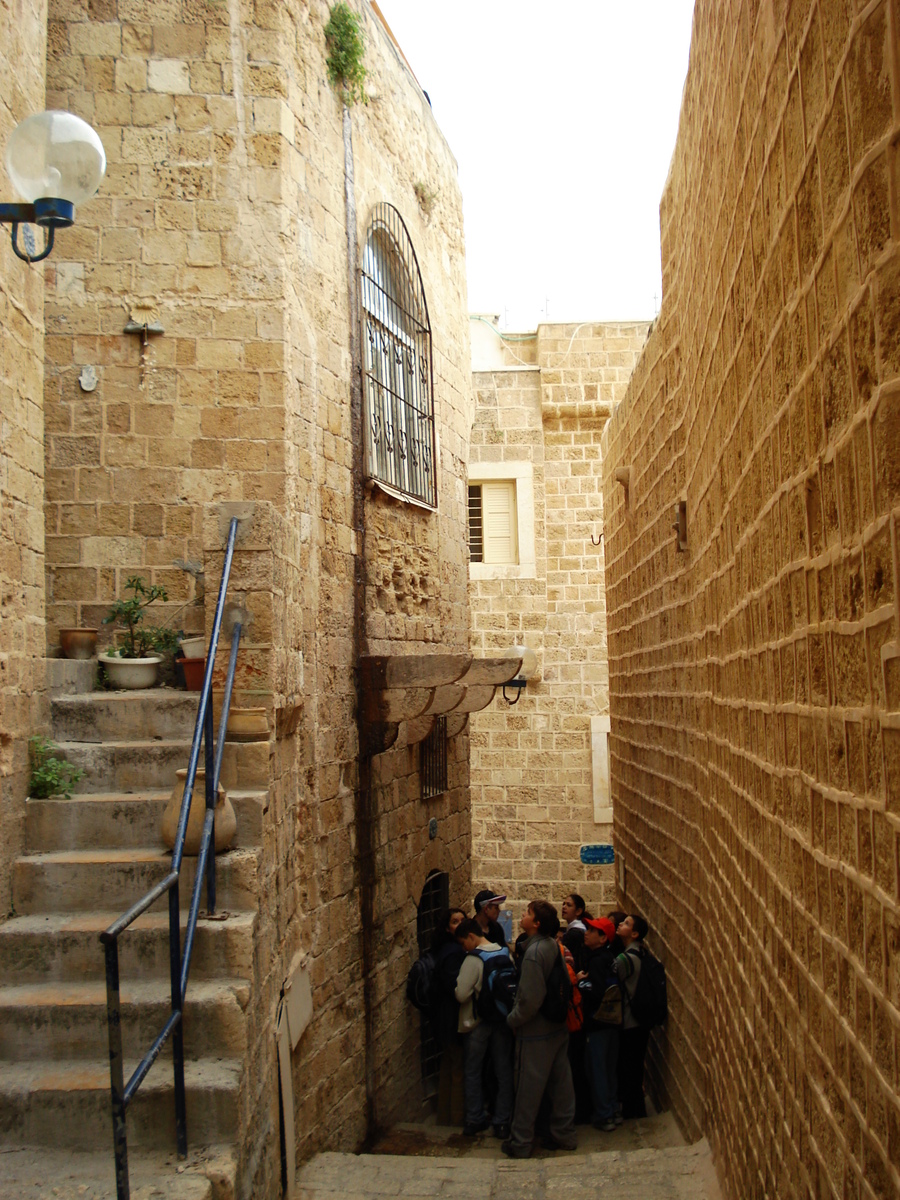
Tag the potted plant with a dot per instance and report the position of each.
(133, 664)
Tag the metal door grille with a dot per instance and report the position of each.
(399, 392)
(434, 900)
(433, 772)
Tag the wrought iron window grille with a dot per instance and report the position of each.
(433, 768)
(397, 366)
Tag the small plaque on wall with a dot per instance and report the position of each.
(598, 855)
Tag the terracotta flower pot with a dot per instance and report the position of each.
(130, 673)
(78, 643)
(247, 724)
(193, 673)
(224, 823)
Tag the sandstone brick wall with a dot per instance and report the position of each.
(533, 798)
(753, 686)
(223, 218)
(22, 676)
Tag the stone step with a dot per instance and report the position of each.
(53, 1021)
(34, 1173)
(117, 819)
(685, 1173)
(79, 880)
(148, 715)
(126, 766)
(66, 1103)
(64, 947)
(68, 677)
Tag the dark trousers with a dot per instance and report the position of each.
(543, 1063)
(632, 1048)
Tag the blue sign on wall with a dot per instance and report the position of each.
(599, 855)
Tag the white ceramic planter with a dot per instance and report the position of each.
(130, 673)
(194, 647)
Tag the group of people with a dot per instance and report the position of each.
(514, 1055)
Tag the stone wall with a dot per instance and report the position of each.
(22, 677)
(753, 676)
(223, 219)
(539, 417)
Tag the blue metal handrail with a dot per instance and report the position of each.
(122, 1093)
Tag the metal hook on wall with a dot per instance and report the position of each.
(596, 541)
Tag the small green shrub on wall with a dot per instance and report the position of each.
(346, 48)
(50, 775)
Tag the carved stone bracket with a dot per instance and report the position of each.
(407, 691)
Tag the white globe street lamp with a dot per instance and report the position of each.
(55, 161)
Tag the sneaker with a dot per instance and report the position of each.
(618, 1118)
(502, 1132)
(607, 1126)
(512, 1151)
(473, 1128)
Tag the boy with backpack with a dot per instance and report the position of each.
(602, 1003)
(644, 1007)
(486, 991)
(539, 1022)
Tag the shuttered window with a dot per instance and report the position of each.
(492, 523)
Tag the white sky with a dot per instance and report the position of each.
(563, 120)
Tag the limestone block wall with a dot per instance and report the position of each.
(753, 685)
(534, 800)
(223, 218)
(22, 676)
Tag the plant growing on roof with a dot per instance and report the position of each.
(50, 774)
(139, 642)
(346, 47)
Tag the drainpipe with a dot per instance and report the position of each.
(365, 855)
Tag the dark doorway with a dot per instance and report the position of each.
(435, 897)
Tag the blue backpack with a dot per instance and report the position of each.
(499, 982)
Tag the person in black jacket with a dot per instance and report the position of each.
(449, 956)
(602, 1052)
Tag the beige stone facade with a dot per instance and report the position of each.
(538, 770)
(222, 219)
(22, 676)
(753, 676)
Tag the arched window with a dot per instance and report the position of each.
(399, 395)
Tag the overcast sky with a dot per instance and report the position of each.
(563, 121)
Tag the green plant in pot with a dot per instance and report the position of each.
(134, 662)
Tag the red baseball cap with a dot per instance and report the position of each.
(604, 924)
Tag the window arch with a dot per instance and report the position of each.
(399, 393)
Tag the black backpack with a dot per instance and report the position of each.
(499, 982)
(649, 1004)
(421, 983)
(555, 1005)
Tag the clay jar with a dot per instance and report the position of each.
(78, 643)
(224, 824)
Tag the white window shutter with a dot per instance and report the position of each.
(499, 512)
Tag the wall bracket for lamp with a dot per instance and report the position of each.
(144, 328)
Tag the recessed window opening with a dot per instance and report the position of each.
(399, 393)
(493, 523)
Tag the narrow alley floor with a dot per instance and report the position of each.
(641, 1160)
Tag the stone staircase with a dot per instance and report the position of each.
(87, 859)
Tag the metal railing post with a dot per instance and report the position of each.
(116, 1068)
(178, 1032)
(209, 746)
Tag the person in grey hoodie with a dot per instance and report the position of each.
(542, 1061)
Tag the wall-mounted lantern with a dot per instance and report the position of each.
(55, 161)
(528, 668)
